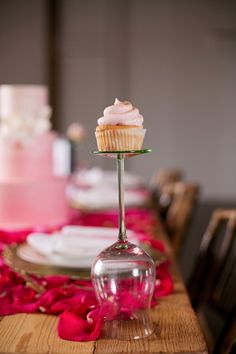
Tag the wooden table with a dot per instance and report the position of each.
(176, 329)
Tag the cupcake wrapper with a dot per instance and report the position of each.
(120, 139)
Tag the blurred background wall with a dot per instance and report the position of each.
(175, 60)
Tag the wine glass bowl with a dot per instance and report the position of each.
(123, 276)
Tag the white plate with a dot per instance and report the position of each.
(27, 253)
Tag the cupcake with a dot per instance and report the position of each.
(120, 128)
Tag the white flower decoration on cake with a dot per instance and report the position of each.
(23, 129)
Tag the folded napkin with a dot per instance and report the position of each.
(73, 245)
(96, 176)
(104, 197)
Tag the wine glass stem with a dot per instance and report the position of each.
(120, 170)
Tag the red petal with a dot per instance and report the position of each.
(80, 298)
(73, 325)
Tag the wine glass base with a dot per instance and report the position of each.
(124, 153)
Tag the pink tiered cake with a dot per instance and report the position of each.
(30, 193)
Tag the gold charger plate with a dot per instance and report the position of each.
(21, 266)
(28, 269)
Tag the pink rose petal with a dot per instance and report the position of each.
(76, 324)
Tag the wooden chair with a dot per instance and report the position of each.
(213, 283)
(226, 343)
(159, 180)
(164, 176)
(183, 197)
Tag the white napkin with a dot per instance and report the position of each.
(104, 197)
(95, 176)
(75, 241)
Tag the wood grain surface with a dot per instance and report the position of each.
(176, 330)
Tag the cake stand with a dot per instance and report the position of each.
(123, 275)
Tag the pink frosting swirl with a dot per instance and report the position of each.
(121, 113)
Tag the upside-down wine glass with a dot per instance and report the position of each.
(123, 276)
